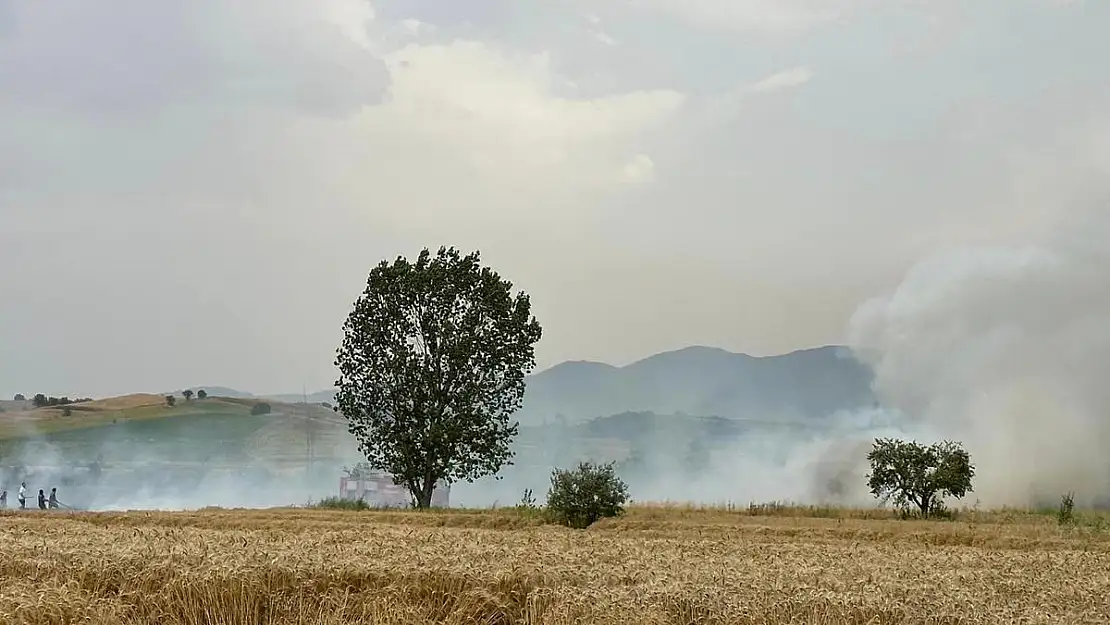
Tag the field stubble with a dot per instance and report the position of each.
(656, 565)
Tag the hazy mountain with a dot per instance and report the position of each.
(704, 381)
(319, 397)
(695, 380)
(218, 391)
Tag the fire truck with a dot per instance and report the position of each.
(378, 489)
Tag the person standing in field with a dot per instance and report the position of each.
(53, 498)
(3, 500)
(42, 500)
(23, 495)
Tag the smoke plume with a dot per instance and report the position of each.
(1006, 349)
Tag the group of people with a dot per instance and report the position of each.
(44, 502)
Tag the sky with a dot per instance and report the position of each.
(193, 193)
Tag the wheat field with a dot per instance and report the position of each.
(657, 564)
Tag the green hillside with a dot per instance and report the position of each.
(142, 428)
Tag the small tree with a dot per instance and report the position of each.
(202, 394)
(260, 408)
(580, 497)
(432, 365)
(171, 401)
(912, 473)
(187, 394)
(20, 397)
(40, 400)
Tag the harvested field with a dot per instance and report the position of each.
(656, 565)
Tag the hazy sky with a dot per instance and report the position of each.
(193, 192)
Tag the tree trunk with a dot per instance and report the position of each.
(422, 495)
(926, 505)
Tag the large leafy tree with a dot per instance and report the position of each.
(432, 367)
(913, 473)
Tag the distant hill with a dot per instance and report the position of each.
(217, 391)
(801, 385)
(318, 397)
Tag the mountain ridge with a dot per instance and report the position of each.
(803, 384)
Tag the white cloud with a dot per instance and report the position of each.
(233, 147)
(604, 37)
(353, 18)
(416, 28)
(499, 114)
(794, 77)
(638, 169)
(771, 16)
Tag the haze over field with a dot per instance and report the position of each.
(194, 193)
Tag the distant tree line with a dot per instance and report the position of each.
(41, 401)
(188, 394)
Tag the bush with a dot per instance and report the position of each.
(171, 401)
(202, 394)
(67, 411)
(527, 501)
(580, 497)
(20, 397)
(338, 503)
(260, 408)
(1065, 515)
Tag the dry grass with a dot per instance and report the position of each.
(656, 565)
(125, 402)
(140, 407)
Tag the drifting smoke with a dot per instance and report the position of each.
(132, 467)
(1006, 349)
(1003, 349)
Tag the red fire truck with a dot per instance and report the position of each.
(378, 489)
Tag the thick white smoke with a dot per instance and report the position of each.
(1007, 350)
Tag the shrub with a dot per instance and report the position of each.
(260, 408)
(187, 394)
(338, 503)
(40, 400)
(20, 397)
(202, 394)
(171, 401)
(67, 411)
(1065, 515)
(527, 501)
(580, 497)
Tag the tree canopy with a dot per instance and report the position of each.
(432, 365)
(913, 473)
